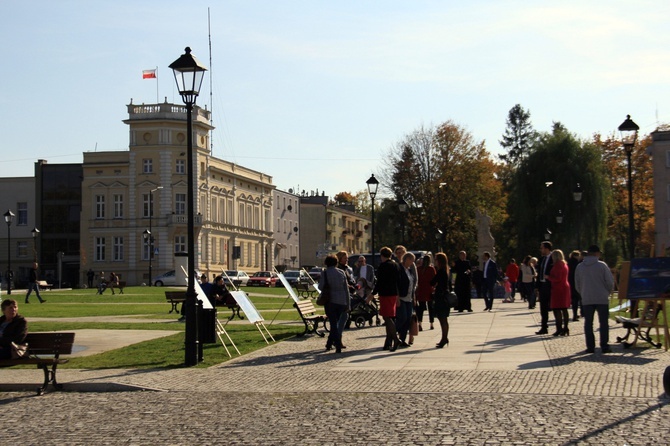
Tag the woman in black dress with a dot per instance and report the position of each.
(441, 283)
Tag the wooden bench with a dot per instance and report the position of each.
(44, 285)
(44, 350)
(175, 298)
(305, 290)
(310, 318)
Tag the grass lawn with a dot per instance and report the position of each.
(148, 304)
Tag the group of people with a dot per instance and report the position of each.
(581, 281)
(406, 288)
(103, 283)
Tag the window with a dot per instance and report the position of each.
(222, 208)
(180, 167)
(22, 249)
(118, 206)
(22, 211)
(180, 204)
(99, 206)
(118, 249)
(250, 220)
(180, 243)
(214, 213)
(240, 215)
(99, 249)
(146, 206)
(214, 251)
(147, 165)
(229, 212)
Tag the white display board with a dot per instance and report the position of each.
(247, 306)
(289, 288)
(201, 296)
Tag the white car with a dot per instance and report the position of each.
(170, 279)
(239, 278)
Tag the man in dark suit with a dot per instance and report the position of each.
(490, 278)
(544, 285)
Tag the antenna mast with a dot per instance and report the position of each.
(211, 107)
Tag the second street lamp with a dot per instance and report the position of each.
(402, 207)
(35, 233)
(577, 197)
(151, 237)
(373, 184)
(147, 242)
(629, 131)
(9, 218)
(188, 74)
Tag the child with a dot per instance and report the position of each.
(508, 290)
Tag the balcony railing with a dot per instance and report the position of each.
(182, 219)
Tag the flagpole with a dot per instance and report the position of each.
(156, 89)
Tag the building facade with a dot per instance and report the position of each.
(660, 153)
(327, 229)
(286, 230)
(134, 215)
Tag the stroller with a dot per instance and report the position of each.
(362, 312)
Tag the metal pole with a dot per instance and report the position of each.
(631, 222)
(373, 233)
(191, 335)
(9, 262)
(150, 239)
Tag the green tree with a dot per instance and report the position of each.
(544, 184)
(519, 136)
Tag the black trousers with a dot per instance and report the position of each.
(545, 302)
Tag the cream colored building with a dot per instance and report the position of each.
(126, 193)
(660, 152)
(327, 229)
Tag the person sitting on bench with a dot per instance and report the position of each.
(13, 327)
(219, 294)
(102, 284)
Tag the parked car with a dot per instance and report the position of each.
(170, 279)
(239, 278)
(293, 277)
(263, 278)
(315, 273)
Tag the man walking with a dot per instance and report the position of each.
(594, 282)
(490, 279)
(544, 286)
(32, 284)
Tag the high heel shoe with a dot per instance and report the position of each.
(441, 344)
(395, 345)
(558, 333)
(566, 332)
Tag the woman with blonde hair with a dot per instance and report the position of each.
(560, 292)
(442, 284)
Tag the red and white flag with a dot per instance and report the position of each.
(149, 74)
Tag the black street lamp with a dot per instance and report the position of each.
(148, 239)
(151, 237)
(373, 184)
(577, 197)
(402, 207)
(35, 232)
(9, 218)
(188, 74)
(628, 131)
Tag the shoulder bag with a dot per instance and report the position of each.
(324, 297)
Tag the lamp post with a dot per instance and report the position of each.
(151, 237)
(373, 184)
(9, 218)
(146, 235)
(628, 131)
(35, 232)
(402, 207)
(577, 196)
(188, 74)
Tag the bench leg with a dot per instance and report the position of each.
(49, 377)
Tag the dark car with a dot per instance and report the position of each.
(294, 277)
(315, 273)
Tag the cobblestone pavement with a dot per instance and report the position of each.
(295, 393)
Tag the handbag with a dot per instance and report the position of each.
(324, 297)
(414, 325)
(19, 350)
(452, 299)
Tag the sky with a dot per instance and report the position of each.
(316, 93)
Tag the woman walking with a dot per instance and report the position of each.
(386, 288)
(426, 272)
(560, 292)
(441, 283)
(335, 281)
(527, 279)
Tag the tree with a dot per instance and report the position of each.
(544, 183)
(443, 174)
(343, 198)
(519, 136)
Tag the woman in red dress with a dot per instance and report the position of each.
(560, 292)
(424, 290)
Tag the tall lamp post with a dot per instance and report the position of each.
(577, 197)
(373, 184)
(628, 131)
(402, 207)
(146, 235)
(188, 74)
(35, 232)
(149, 237)
(9, 218)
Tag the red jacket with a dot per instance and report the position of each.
(512, 272)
